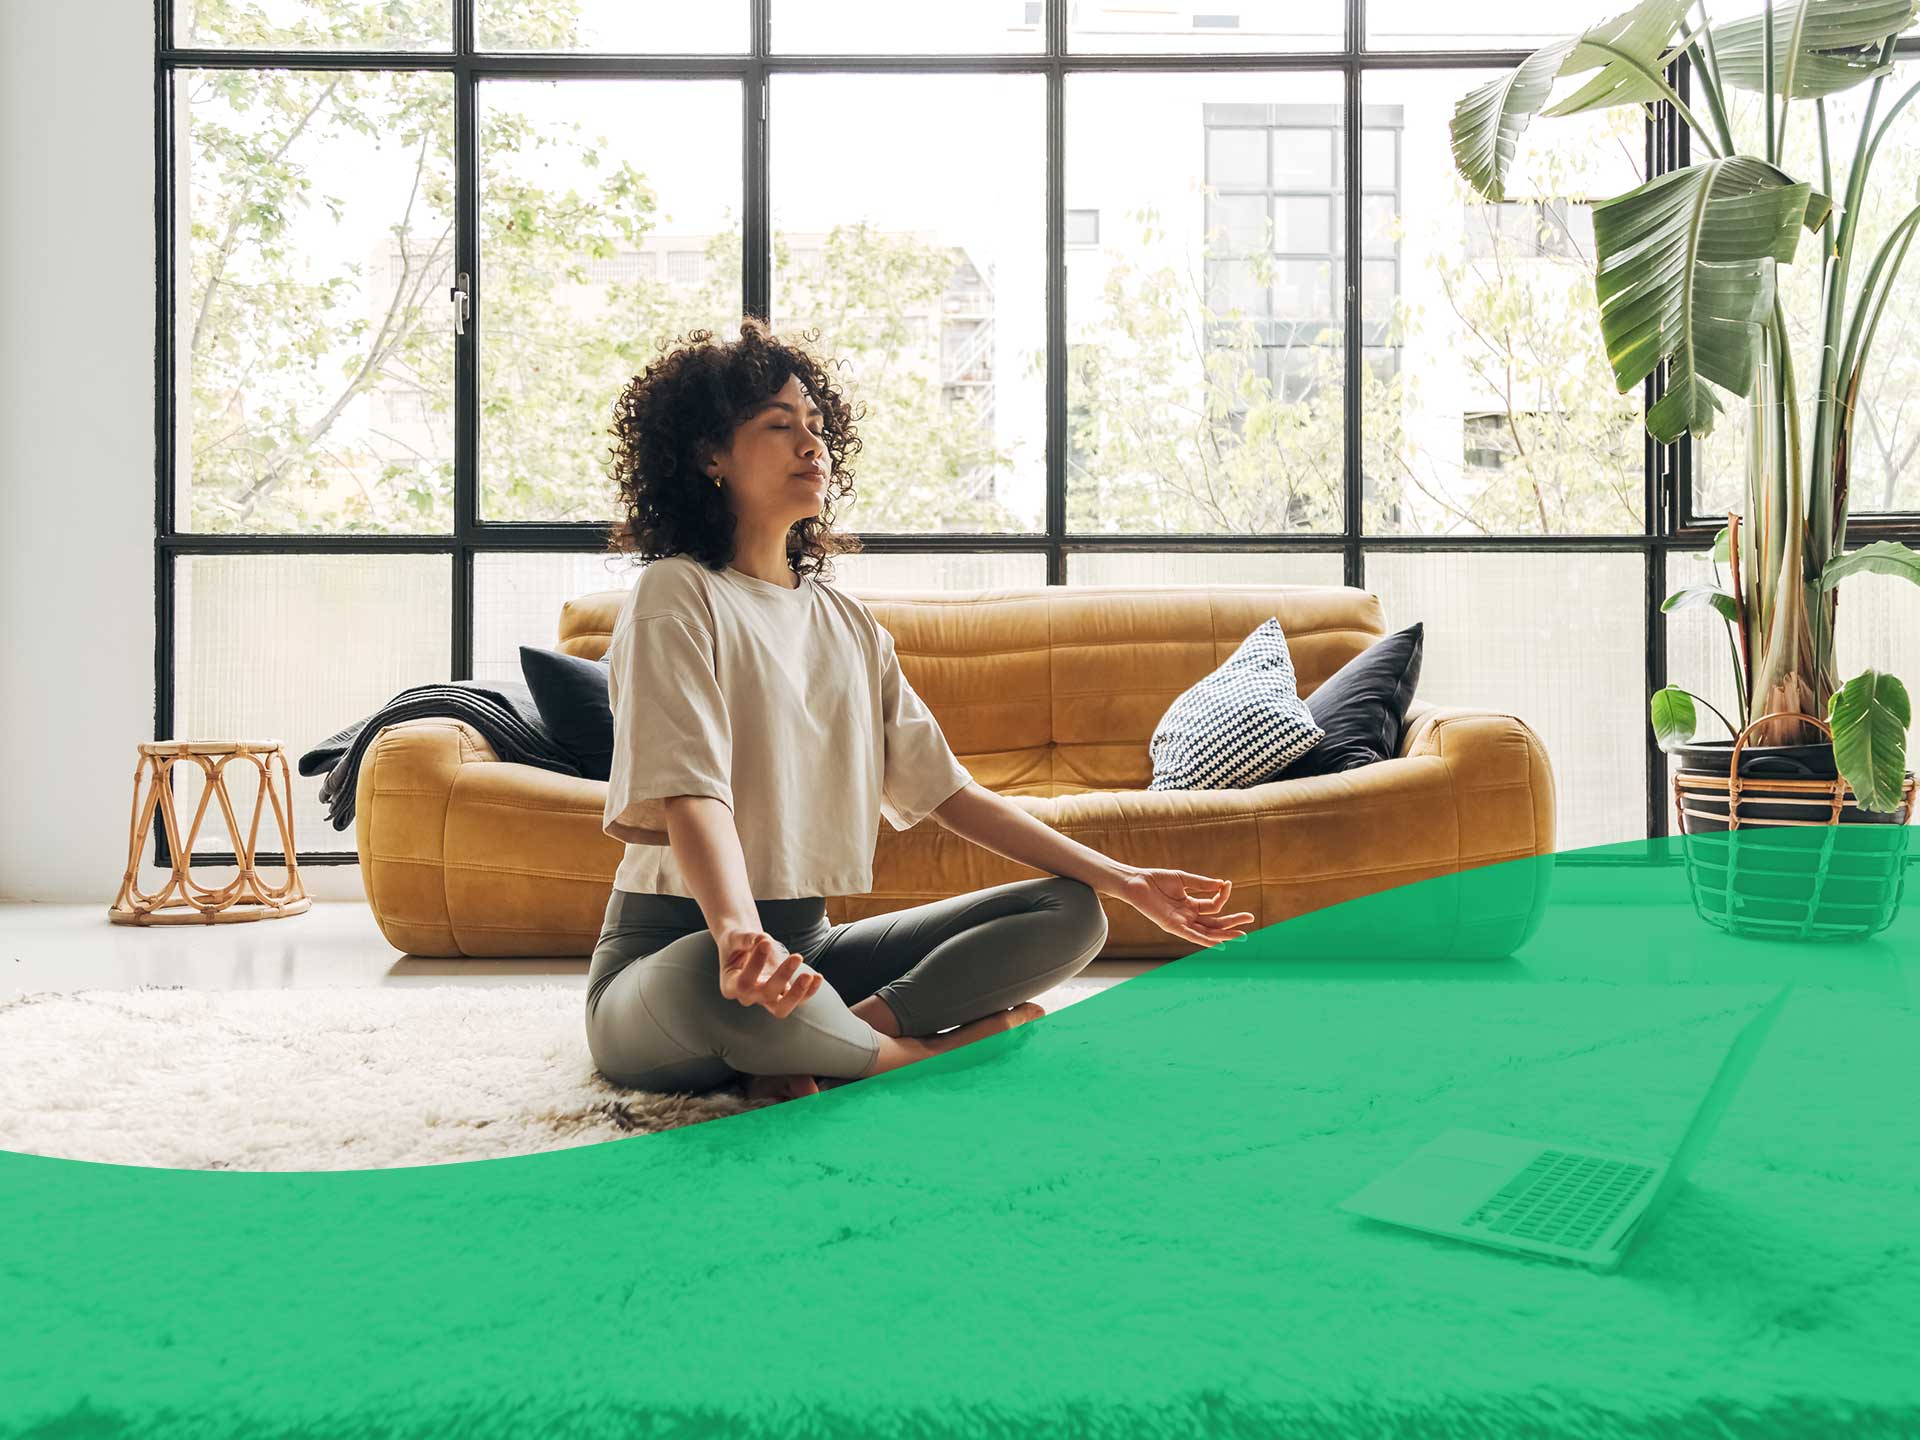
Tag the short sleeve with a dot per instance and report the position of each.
(921, 773)
(671, 734)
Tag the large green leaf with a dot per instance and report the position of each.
(1820, 47)
(1692, 595)
(1487, 121)
(1869, 715)
(1883, 557)
(1674, 718)
(1684, 276)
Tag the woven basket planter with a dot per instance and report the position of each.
(1776, 847)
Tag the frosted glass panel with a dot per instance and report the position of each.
(517, 600)
(295, 647)
(1556, 639)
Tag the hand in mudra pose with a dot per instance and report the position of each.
(1185, 905)
(745, 955)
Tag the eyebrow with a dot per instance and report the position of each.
(783, 405)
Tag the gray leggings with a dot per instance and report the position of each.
(656, 1019)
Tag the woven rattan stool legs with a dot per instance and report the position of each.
(183, 900)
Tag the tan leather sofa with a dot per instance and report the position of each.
(1048, 695)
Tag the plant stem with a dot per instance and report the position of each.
(1707, 65)
(1819, 517)
(1732, 729)
(1826, 176)
(1766, 73)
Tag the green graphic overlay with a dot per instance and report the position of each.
(1119, 1220)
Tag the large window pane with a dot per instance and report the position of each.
(874, 27)
(1496, 412)
(1205, 356)
(1270, 25)
(1199, 567)
(1885, 441)
(1555, 638)
(610, 223)
(923, 270)
(1483, 25)
(621, 27)
(313, 335)
(297, 647)
(314, 25)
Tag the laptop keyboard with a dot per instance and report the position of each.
(1561, 1199)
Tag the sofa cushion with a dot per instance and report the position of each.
(1238, 725)
(1363, 707)
(571, 694)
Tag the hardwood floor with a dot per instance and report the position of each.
(75, 947)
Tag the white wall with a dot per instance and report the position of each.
(76, 438)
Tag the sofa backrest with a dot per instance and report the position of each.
(1056, 689)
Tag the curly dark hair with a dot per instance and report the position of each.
(695, 394)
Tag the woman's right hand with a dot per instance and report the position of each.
(745, 955)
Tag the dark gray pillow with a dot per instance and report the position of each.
(1363, 706)
(1237, 726)
(571, 694)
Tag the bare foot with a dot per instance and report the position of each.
(986, 1025)
(781, 1087)
(897, 1051)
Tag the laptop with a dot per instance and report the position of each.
(1543, 1198)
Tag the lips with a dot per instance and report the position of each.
(810, 475)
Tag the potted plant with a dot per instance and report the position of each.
(1685, 278)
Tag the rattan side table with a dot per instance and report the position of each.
(183, 900)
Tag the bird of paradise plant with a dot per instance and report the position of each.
(1686, 279)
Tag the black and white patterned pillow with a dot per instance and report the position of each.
(1237, 726)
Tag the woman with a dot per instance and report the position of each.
(762, 726)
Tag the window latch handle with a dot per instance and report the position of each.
(462, 302)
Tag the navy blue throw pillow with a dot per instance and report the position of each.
(571, 695)
(1363, 706)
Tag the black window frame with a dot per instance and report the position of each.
(1668, 521)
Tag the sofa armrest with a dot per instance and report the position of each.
(400, 811)
(1502, 780)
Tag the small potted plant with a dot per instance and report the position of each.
(1814, 774)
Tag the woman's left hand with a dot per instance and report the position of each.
(1185, 905)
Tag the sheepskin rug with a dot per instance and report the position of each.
(325, 1078)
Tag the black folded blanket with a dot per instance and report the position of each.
(501, 710)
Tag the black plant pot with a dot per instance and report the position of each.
(1798, 859)
(1758, 802)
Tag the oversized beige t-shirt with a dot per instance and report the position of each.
(788, 705)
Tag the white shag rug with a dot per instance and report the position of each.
(325, 1078)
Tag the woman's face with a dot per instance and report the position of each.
(778, 461)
